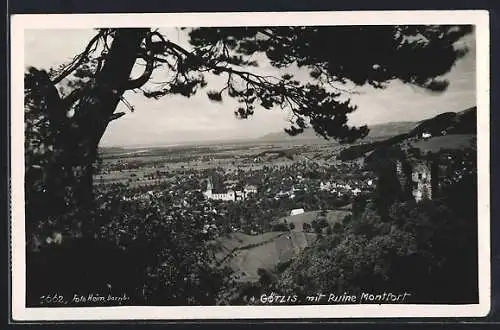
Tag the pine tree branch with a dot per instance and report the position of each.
(150, 66)
(79, 59)
(116, 116)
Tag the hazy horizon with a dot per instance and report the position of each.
(243, 140)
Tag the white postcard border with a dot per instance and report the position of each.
(19, 23)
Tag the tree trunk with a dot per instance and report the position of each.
(60, 181)
(96, 105)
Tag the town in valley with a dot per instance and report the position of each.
(261, 203)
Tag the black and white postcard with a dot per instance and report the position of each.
(250, 165)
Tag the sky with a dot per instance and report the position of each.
(176, 119)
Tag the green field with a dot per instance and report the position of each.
(135, 163)
(282, 248)
(452, 141)
(246, 254)
(227, 244)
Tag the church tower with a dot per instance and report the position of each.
(210, 188)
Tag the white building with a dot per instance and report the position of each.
(327, 186)
(324, 186)
(426, 135)
(228, 195)
(250, 189)
(296, 212)
(356, 191)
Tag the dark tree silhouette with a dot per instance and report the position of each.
(75, 102)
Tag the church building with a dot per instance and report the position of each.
(229, 194)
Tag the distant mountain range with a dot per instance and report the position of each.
(376, 131)
(448, 129)
(452, 122)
